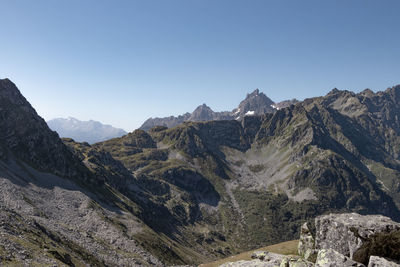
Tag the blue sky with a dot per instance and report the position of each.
(121, 62)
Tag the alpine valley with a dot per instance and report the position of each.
(195, 188)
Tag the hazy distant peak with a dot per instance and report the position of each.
(84, 131)
(203, 106)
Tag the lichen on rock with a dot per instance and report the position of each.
(306, 241)
(346, 233)
(332, 258)
(375, 261)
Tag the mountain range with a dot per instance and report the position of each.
(84, 131)
(255, 103)
(197, 191)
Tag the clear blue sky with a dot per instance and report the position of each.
(121, 62)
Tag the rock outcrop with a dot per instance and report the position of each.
(294, 262)
(306, 242)
(255, 103)
(262, 259)
(346, 233)
(339, 239)
(252, 263)
(375, 261)
(332, 258)
(272, 258)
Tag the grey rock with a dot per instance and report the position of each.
(33, 203)
(311, 255)
(306, 241)
(347, 232)
(286, 103)
(269, 257)
(375, 261)
(332, 258)
(255, 103)
(294, 262)
(169, 122)
(252, 263)
(205, 113)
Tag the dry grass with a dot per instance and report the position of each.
(286, 248)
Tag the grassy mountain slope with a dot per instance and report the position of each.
(231, 186)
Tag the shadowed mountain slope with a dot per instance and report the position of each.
(67, 203)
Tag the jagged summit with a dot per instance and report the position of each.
(253, 94)
(334, 91)
(367, 92)
(255, 103)
(202, 113)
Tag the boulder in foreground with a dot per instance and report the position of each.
(375, 261)
(347, 233)
(332, 258)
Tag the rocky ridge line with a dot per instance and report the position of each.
(255, 103)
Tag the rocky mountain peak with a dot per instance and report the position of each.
(394, 92)
(255, 103)
(253, 94)
(9, 92)
(334, 91)
(202, 113)
(367, 92)
(203, 107)
(26, 135)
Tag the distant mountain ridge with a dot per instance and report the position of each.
(255, 103)
(84, 131)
